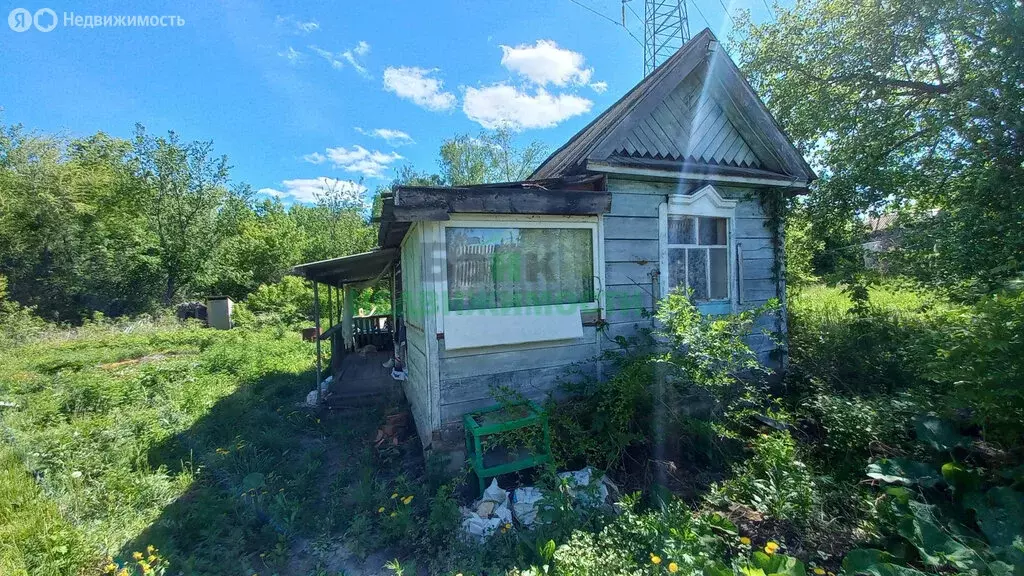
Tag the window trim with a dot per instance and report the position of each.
(523, 221)
(705, 202)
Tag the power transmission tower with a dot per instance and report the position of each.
(666, 29)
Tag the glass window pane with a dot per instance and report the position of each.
(676, 267)
(719, 263)
(512, 267)
(682, 230)
(697, 272)
(713, 231)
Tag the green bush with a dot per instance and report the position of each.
(672, 539)
(773, 480)
(984, 361)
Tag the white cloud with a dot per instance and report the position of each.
(356, 159)
(306, 190)
(315, 158)
(417, 85)
(544, 63)
(352, 55)
(501, 105)
(331, 57)
(361, 49)
(296, 25)
(599, 87)
(292, 55)
(392, 137)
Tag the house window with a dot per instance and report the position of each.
(697, 246)
(514, 267)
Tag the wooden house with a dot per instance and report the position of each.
(512, 284)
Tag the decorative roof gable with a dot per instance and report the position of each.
(695, 111)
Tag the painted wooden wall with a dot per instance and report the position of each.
(418, 356)
(443, 385)
(631, 255)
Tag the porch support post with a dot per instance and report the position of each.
(316, 320)
(330, 307)
(346, 318)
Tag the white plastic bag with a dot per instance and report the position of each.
(525, 504)
(581, 488)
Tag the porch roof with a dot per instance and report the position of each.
(348, 269)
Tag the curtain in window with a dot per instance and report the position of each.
(698, 256)
(513, 267)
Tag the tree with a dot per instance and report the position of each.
(489, 157)
(906, 105)
(186, 185)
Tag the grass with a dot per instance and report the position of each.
(187, 439)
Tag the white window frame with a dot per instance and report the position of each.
(512, 315)
(705, 202)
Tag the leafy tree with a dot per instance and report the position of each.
(489, 157)
(186, 185)
(906, 105)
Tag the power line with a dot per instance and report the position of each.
(727, 12)
(606, 17)
(771, 13)
(699, 11)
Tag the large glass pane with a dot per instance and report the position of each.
(676, 267)
(719, 263)
(697, 272)
(512, 267)
(713, 231)
(682, 230)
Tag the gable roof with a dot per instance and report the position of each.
(695, 110)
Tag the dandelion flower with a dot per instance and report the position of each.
(393, 514)
(110, 568)
(137, 555)
(673, 567)
(407, 499)
(380, 510)
(771, 547)
(744, 540)
(819, 571)
(394, 495)
(655, 559)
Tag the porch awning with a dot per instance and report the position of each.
(348, 269)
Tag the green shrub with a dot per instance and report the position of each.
(852, 425)
(773, 480)
(647, 543)
(984, 361)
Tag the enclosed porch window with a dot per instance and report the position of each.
(513, 267)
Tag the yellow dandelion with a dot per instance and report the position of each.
(150, 548)
(407, 499)
(655, 559)
(673, 567)
(744, 540)
(137, 555)
(151, 559)
(110, 568)
(393, 514)
(394, 495)
(819, 571)
(771, 548)
(380, 510)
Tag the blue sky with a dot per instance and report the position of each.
(296, 93)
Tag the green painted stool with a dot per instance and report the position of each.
(488, 421)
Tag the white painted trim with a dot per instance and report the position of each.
(592, 223)
(666, 176)
(704, 202)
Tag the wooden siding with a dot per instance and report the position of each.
(689, 124)
(468, 376)
(632, 255)
(417, 355)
